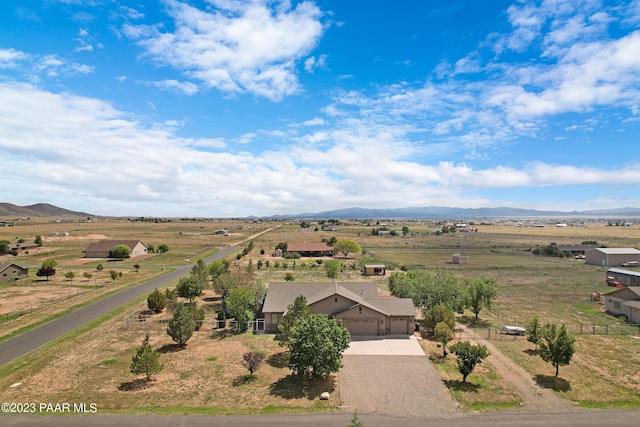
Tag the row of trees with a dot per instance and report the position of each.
(428, 290)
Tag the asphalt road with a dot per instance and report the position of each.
(583, 418)
(25, 343)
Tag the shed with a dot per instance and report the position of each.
(374, 269)
(459, 259)
(626, 277)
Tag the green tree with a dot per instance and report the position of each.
(137, 267)
(297, 310)
(38, 240)
(99, 267)
(70, 275)
(120, 251)
(332, 268)
(201, 272)
(316, 344)
(439, 314)
(288, 276)
(468, 356)
(146, 361)
(48, 268)
(556, 346)
(346, 246)
(481, 293)
(427, 289)
(534, 332)
(444, 334)
(163, 248)
(156, 301)
(189, 287)
(238, 303)
(113, 274)
(181, 326)
(87, 275)
(151, 248)
(197, 313)
(252, 360)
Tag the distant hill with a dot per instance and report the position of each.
(37, 210)
(445, 212)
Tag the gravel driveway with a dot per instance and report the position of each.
(404, 386)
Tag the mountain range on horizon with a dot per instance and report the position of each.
(48, 210)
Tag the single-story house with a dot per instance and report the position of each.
(357, 304)
(24, 246)
(611, 257)
(625, 277)
(625, 301)
(577, 249)
(310, 249)
(103, 248)
(374, 269)
(10, 272)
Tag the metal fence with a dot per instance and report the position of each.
(45, 303)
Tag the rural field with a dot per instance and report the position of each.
(206, 376)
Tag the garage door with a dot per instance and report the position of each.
(399, 326)
(362, 326)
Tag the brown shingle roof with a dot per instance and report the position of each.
(308, 247)
(107, 245)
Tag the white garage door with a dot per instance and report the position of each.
(398, 326)
(362, 326)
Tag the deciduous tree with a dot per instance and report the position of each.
(252, 360)
(316, 344)
(146, 361)
(163, 248)
(439, 314)
(201, 272)
(346, 246)
(444, 334)
(468, 356)
(48, 268)
(189, 287)
(332, 268)
(556, 346)
(534, 332)
(120, 251)
(481, 293)
(297, 310)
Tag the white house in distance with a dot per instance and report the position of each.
(102, 248)
(611, 257)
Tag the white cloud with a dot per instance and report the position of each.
(186, 88)
(316, 121)
(10, 57)
(236, 47)
(312, 63)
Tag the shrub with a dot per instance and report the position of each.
(156, 301)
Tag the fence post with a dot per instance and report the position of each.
(606, 329)
(594, 328)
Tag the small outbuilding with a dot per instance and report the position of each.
(459, 259)
(611, 257)
(374, 270)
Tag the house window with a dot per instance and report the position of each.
(274, 318)
(616, 304)
(360, 310)
(336, 299)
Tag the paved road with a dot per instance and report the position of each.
(27, 342)
(586, 418)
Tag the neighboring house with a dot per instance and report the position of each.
(101, 249)
(626, 302)
(625, 277)
(374, 270)
(24, 246)
(10, 272)
(357, 304)
(310, 249)
(611, 257)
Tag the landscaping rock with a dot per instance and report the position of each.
(324, 396)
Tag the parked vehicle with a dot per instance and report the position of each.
(513, 330)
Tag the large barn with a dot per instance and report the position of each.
(612, 257)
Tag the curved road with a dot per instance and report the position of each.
(25, 343)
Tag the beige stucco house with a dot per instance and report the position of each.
(102, 248)
(625, 301)
(10, 272)
(357, 304)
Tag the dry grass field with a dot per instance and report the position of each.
(208, 373)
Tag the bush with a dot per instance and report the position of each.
(197, 314)
(156, 301)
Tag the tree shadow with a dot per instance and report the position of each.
(553, 382)
(171, 348)
(470, 321)
(135, 385)
(212, 299)
(279, 360)
(530, 352)
(220, 334)
(295, 387)
(458, 385)
(243, 379)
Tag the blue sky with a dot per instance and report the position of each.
(226, 108)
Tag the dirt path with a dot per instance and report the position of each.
(534, 398)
